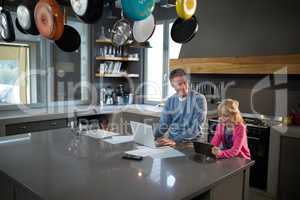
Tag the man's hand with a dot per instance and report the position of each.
(215, 150)
(166, 142)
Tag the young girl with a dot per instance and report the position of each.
(230, 132)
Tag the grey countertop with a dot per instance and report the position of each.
(58, 165)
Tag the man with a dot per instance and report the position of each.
(184, 113)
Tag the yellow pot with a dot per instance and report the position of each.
(186, 8)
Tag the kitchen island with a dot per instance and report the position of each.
(58, 165)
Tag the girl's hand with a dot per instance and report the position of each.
(166, 142)
(215, 150)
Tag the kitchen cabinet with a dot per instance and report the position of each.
(20, 128)
(289, 165)
(6, 187)
(97, 172)
(11, 190)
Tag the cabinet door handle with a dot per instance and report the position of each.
(253, 138)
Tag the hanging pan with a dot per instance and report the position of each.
(121, 32)
(25, 17)
(186, 8)
(184, 30)
(49, 19)
(19, 27)
(89, 11)
(138, 9)
(144, 29)
(7, 31)
(70, 39)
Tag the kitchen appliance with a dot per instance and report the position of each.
(70, 40)
(89, 11)
(186, 8)
(144, 29)
(19, 27)
(49, 19)
(25, 17)
(203, 148)
(121, 32)
(183, 31)
(137, 10)
(7, 31)
(102, 96)
(120, 94)
(109, 96)
(258, 133)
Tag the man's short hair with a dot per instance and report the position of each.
(176, 72)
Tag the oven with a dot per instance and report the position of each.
(258, 133)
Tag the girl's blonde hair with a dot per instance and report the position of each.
(230, 108)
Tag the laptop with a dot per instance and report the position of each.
(203, 149)
(143, 134)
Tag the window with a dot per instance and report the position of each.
(155, 64)
(174, 52)
(17, 85)
(157, 84)
(34, 72)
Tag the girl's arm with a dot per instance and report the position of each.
(239, 139)
(217, 139)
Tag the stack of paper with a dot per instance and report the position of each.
(100, 134)
(159, 153)
(119, 139)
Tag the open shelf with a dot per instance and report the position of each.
(130, 45)
(113, 58)
(117, 75)
(279, 64)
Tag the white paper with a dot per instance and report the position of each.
(172, 153)
(159, 153)
(119, 139)
(100, 134)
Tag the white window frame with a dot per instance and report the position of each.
(166, 69)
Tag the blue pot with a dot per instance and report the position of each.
(138, 9)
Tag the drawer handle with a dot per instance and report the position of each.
(53, 124)
(23, 127)
(253, 138)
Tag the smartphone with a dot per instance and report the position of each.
(132, 157)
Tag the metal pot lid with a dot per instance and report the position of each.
(23, 15)
(144, 29)
(79, 7)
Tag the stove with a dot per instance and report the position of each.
(258, 134)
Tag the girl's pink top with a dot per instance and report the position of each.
(240, 143)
